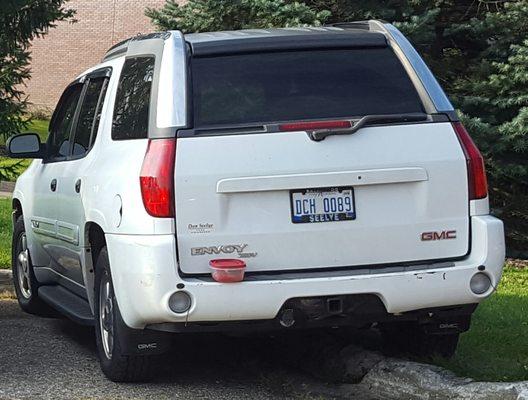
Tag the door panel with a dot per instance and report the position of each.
(43, 218)
(71, 217)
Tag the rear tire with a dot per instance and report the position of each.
(115, 363)
(25, 283)
(411, 338)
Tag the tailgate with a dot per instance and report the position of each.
(239, 196)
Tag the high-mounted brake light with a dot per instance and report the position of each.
(314, 125)
(157, 178)
(478, 184)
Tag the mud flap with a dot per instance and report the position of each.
(448, 326)
(140, 341)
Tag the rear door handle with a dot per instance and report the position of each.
(53, 185)
(78, 186)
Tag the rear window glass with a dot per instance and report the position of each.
(299, 85)
(131, 110)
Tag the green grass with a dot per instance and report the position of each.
(496, 346)
(5, 233)
(39, 127)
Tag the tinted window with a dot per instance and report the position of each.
(59, 139)
(131, 112)
(297, 85)
(89, 115)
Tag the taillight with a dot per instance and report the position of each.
(478, 184)
(314, 125)
(157, 178)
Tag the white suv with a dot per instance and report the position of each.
(323, 166)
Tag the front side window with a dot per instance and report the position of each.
(131, 110)
(59, 140)
(89, 115)
(300, 85)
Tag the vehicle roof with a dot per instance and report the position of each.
(267, 33)
(247, 40)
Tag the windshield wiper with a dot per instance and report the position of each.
(356, 124)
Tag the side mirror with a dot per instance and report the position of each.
(26, 145)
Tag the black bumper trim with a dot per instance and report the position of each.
(322, 312)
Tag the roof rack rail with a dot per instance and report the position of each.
(116, 50)
(120, 48)
(351, 25)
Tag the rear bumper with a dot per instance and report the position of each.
(145, 274)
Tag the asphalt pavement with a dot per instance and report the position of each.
(47, 358)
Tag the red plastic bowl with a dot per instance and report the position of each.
(227, 270)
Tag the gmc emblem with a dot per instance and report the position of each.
(442, 235)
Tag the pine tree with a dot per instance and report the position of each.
(478, 50)
(501, 98)
(20, 22)
(215, 15)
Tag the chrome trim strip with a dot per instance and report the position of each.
(331, 179)
(68, 232)
(47, 223)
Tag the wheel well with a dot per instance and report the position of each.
(17, 208)
(96, 240)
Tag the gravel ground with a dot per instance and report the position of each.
(45, 358)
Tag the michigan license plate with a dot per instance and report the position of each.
(322, 205)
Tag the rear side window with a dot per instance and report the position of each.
(300, 85)
(131, 111)
(89, 116)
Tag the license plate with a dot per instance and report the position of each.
(322, 205)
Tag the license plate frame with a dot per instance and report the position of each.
(323, 217)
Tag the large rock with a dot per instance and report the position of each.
(387, 378)
(397, 379)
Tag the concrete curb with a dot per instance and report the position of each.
(7, 187)
(6, 281)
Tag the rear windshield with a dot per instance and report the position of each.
(300, 85)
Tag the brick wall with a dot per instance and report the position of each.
(69, 48)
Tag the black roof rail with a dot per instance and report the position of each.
(116, 50)
(120, 48)
(351, 25)
(118, 44)
(365, 24)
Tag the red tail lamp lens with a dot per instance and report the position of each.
(310, 126)
(157, 178)
(477, 181)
